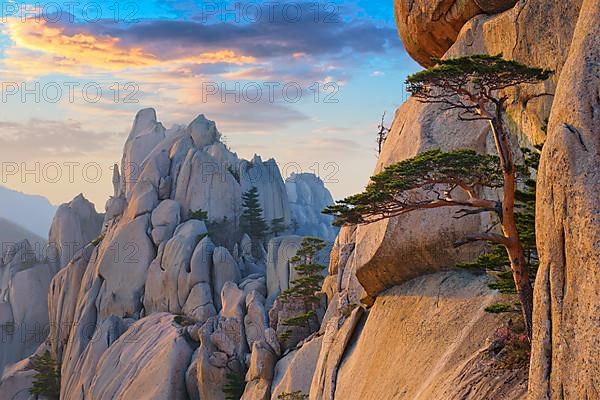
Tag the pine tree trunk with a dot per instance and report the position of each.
(518, 265)
(513, 246)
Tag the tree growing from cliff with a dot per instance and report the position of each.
(278, 226)
(199, 215)
(46, 381)
(252, 221)
(497, 258)
(235, 384)
(435, 179)
(382, 134)
(304, 289)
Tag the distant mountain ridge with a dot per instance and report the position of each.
(11, 233)
(32, 212)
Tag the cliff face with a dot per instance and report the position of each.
(566, 359)
(397, 354)
(536, 32)
(389, 264)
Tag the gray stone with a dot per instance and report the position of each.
(308, 197)
(225, 269)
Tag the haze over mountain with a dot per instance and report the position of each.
(32, 212)
(11, 232)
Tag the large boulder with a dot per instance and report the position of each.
(260, 372)
(122, 267)
(394, 250)
(203, 131)
(204, 184)
(148, 360)
(429, 27)
(165, 218)
(566, 337)
(225, 269)
(179, 279)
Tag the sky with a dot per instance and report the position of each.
(305, 83)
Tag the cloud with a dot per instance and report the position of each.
(78, 48)
(39, 138)
(271, 35)
(39, 47)
(274, 47)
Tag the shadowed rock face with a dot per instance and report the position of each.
(24, 286)
(495, 6)
(429, 27)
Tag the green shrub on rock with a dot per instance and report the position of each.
(46, 381)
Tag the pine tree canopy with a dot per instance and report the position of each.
(278, 226)
(252, 221)
(390, 193)
(483, 71)
(309, 272)
(47, 378)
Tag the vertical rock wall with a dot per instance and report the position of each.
(566, 358)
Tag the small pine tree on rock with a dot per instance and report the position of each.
(234, 386)
(46, 381)
(252, 221)
(199, 215)
(304, 289)
(278, 226)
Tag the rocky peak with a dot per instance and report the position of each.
(75, 224)
(308, 197)
(203, 131)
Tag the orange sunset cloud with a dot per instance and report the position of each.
(49, 49)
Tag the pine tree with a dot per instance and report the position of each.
(199, 215)
(472, 85)
(46, 381)
(497, 259)
(234, 386)
(278, 226)
(252, 221)
(308, 283)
